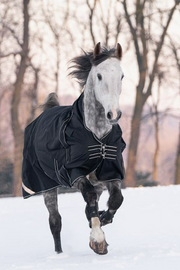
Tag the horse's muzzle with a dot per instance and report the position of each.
(110, 117)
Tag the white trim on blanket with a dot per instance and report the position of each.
(28, 190)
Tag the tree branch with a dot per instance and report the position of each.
(134, 35)
(175, 52)
(144, 63)
(12, 32)
(159, 48)
(91, 9)
(10, 53)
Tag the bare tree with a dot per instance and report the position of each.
(32, 94)
(18, 87)
(26, 76)
(58, 29)
(101, 26)
(176, 51)
(177, 164)
(91, 15)
(22, 50)
(156, 116)
(141, 36)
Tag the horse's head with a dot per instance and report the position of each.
(107, 82)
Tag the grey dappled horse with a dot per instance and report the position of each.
(100, 76)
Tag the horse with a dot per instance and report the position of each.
(89, 140)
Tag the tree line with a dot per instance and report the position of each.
(37, 38)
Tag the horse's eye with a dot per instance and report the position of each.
(99, 76)
(122, 77)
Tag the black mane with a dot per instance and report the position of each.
(82, 64)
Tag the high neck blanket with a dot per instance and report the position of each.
(59, 149)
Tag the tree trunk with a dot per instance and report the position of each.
(140, 40)
(33, 96)
(156, 127)
(18, 86)
(177, 175)
(156, 147)
(18, 148)
(134, 140)
(57, 64)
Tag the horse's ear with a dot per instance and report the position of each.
(119, 51)
(97, 49)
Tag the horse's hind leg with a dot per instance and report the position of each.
(50, 199)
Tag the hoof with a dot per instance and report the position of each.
(59, 251)
(99, 248)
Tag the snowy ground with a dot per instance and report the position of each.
(145, 234)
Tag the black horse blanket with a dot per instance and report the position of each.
(59, 149)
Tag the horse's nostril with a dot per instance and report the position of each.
(119, 114)
(109, 115)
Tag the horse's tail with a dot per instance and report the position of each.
(50, 102)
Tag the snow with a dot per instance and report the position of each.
(145, 234)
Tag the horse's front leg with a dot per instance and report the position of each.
(91, 196)
(50, 199)
(114, 202)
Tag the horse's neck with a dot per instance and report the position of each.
(94, 114)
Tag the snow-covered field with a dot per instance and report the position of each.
(145, 234)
